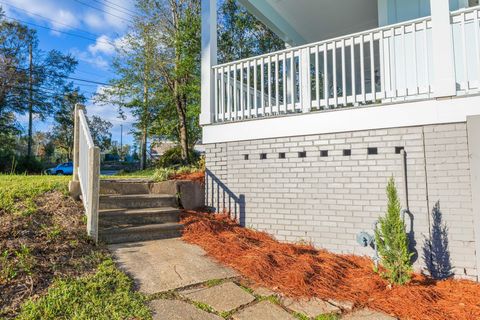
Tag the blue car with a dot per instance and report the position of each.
(62, 169)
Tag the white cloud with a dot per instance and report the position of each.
(105, 45)
(94, 60)
(59, 17)
(116, 17)
(65, 15)
(102, 45)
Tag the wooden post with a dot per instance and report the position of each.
(76, 141)
(93, 191)
(74, 185)
(209, 59)
(444, 83)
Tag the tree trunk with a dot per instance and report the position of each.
(30, 103)
(180, 101)
(143, 147)
(182, 120)
(144, 119)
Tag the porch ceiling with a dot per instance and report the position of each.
(304, 21)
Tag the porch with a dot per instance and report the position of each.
(425, 59)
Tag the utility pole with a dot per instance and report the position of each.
(121, 138)
(30, 101)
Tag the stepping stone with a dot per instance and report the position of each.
(344, 305)
(224, 297)
(179, 310)
(312, 308)
(263, 310)
(264, 292)
(163, 265)
(367, 314)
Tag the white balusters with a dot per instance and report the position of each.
(388, 64)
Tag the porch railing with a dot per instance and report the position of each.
(466, 32)
(87, 170)
(388, 64)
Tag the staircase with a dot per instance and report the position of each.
(129, 212)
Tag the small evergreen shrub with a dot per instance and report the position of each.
(392, 240)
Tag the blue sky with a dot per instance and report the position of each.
(103, 22)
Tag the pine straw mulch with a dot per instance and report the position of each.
(197, 176)
(302, 271)
(54, 245)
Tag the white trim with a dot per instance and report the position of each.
(209, 59)
(444, 83)
(353, 119)
(473, 130)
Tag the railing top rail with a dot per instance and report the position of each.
(85, 128)
(465, 10)
(319, 43)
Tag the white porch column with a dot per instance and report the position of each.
(444, 84)
(209, 59)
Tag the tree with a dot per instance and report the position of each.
(47, 74)
(13, 52)
(392, 240)
(241, 35)
(136, 82)
(30, 79)
(62, 135)
(100, 131)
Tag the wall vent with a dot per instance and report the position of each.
(347, 152)
(398, 150)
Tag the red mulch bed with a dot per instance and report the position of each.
(198, 176)
(303, 271)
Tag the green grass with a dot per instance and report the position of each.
(17, 192)
(331, 316)
(156, 174)
(147, 173)
(214, 282)
(107, 294)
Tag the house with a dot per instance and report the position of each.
(300, 143)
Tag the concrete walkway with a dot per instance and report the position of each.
(182, 282)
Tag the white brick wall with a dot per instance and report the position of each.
(328, 200)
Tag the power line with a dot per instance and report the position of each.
(124, 11)
(96, 8)
(60, 31)
(75, 78)
(49, 19)
(89, 73)
(54, 94)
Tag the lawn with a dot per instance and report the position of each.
(49, 268)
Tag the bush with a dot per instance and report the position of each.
(21, 164)
(173, 158)
(392, 240)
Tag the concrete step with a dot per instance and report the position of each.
(125, 186)
(131, 233)
(112, 217)
(133, 201)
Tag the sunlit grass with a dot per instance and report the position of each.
(107, 294)
(17, 192)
